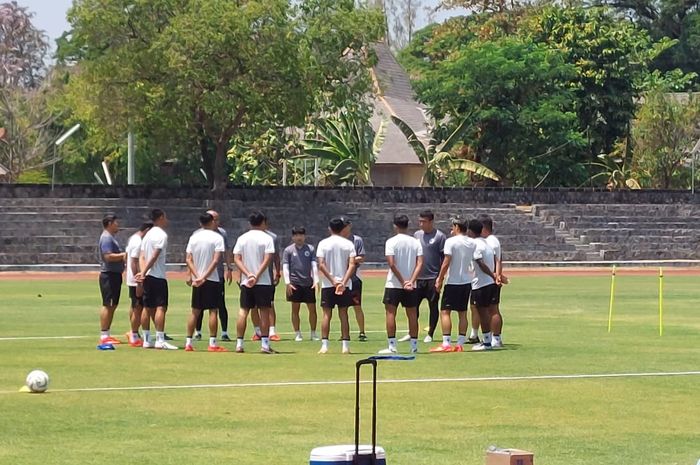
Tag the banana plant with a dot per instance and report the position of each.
(436, 157)
(349, 144)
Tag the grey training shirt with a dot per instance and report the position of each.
(433, 246)
(109, 244)
(299, 261)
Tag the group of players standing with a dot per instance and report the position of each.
(468, 264)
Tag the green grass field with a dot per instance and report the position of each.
(554, 326)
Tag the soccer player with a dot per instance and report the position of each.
(493, 242)
(459, 252)
(275, 274)
(224, 269)
(432, 242)
(204, 252)
(252, 255)
(112, 259)
(405, 258)
(300, 271)
(356, 288)
(133, 250)
(336, 262)
(484, 284)
(152, 259)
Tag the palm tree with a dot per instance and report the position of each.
(436, 157)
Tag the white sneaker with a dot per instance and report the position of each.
(428, 339)
(406, 338)
(496, 343)
(147, 345)
(315, 338)
(346, 351)
(165, 345)
(414, 350)
(480, 347)
(387, 351)
(324, 350)
(298, 338)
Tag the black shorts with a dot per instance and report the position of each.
(302, 294)
(425, 289)
(135, 301)
(394, 297)
(498, 295)
(207, 296)
(329, 299)
(485, 296)
(356, 291)
(455, 297)
(110, 288)
(155, 292)
(258, 296)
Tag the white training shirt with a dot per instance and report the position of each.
(483, 251)
(336, 252)
(155, 239)
(461, 248)
(495, 245)
(405, 249)
(252, 247)
(203, 244)
(133, 250)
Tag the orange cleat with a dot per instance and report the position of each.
(442, 348)
(189, 349)
(110, 340)
(255, 337)
(275, 338)
(458, 348)
(136, 343)
(217, 349)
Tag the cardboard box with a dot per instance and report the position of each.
(509, 457)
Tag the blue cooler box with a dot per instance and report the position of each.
(343, 455)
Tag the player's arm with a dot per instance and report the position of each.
(314, 269)
(416, 271)
(276, 263)
(228, 259)
(443, 271)
(485, 268)
(287, 278)
(263, 267)
(189, 260)
(348, 273)
(149, 263)
(391, 260)
(324, 271)
(238, 261)
(210, 269)
(110, 256)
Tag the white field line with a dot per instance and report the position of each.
(383, 381)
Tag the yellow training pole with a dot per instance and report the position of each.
(612, 299)
(661, 301)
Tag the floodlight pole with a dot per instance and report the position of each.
(130, 172)
(58, 142)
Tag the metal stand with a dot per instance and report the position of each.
(358, 365)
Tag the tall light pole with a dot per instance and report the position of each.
(58, 142)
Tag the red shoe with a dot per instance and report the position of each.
(136, 343)
(268, 350)
(255, 337)
(458, 348)
(217, 349)
(442, 348)
(110, 340)
(275, 338)
(189, 349)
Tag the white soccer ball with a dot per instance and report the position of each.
(37, 381)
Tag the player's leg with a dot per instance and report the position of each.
(449, 302)
(474, 331)
(198, 327)
(313, 320)
(434, 304)
(135, 313)
(110, 289)
(356, 295)
(241, 325)
(223, 311)
(390, 310)
(497, 318)
(296, 321)
(409, 301)
(255, 319)
(195, 315)
(344, 329)
(273, 321)
(325, 326)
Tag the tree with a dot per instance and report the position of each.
(23, 92)
(208, 68)
(665, 131)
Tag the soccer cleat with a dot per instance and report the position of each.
(240, 350)
(324, 350)
(496, 344)
(189, 348)
(362, 337)
(346, 352)
(267, 350)
(298, 338)
(473, 340)
(275, 338)
(442, 348)
(105, 346)
(167, 338)
(255, 337)
(458, 348)
(315, 338)
(217, 349)
(225, 338)
(414, 350)
(388, 351)
(197, 336)
(428, 339)
(136, 343)
(480, 347)
(110, 340)
(406, 338)
(147, 345)
(165, 346)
